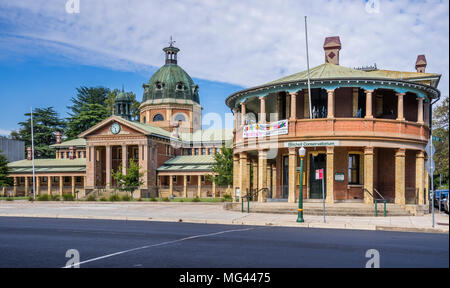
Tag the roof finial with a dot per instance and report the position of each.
(171, 42)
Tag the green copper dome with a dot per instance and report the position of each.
(171, 81)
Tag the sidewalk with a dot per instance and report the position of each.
(213, 213)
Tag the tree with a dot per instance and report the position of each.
(135, 111)
(440, 129)
(130, 181)
(223, 168)
(89, 115)
(46, 123)
(4, 172)
(88, 95)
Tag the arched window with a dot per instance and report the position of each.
(179, 117)
(158, 117)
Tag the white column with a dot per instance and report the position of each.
(420, 110)
(400, 116)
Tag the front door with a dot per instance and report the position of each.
(317, 162)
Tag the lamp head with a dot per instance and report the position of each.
(302, 152)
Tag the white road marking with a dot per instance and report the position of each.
(159, 244)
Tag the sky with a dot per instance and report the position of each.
(50, 47)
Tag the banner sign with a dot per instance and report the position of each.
(311, 143)
(319, 174)
(270, 129)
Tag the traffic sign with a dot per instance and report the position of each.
(435, 138)
(430, 149)
(430, 166)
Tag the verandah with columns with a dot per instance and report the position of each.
(397, 174)
(403, 191)
(50, 184)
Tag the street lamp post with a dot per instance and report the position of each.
(300, 219)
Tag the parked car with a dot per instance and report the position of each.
(446, 204)
(440, 195)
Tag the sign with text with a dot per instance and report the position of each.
(311, 143)
(319, 174)
(270, 129)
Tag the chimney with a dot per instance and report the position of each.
(29, 155)
(332, 46)
(58, 137)
(421, 64)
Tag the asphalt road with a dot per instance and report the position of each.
(29, 242)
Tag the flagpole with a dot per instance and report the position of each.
(32, 154)
(307, 62)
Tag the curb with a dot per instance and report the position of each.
(315, 225)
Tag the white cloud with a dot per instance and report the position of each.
(242, 42)
(4, 132)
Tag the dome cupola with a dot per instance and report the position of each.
(171, 84)
(122, 105)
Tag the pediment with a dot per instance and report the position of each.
(104, 128)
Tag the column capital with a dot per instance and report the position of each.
(400, 94)
(292, 150)
(401, 152)
(368, 150)
(369, 91)
(330, 149)
(420, 154)
(243, 155)
(293, 93)
(330, 91)
(262, 98)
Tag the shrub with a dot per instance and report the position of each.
(166, 199)
(43, 197)
(153, 199)
(227, 197)
(54, 197)
(114, 198)
(103, 199)
(9, 199)
(196, 199)
(181, 200)
(139, 199)
(30, 198)
(126, 198)
(68, 197)
(91, 198)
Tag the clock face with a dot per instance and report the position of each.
(115, 128)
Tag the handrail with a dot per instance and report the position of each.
(376, 200)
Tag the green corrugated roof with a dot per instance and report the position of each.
(332, 71)
(48, 165)
(208, 135)
(79, 142)
(188, 163)
(150, 129)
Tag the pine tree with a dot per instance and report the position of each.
(90, 115)
(46, 123)
(4, 180)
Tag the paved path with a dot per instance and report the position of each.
(212, 213)
(43, 242)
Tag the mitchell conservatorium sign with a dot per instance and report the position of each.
(270, 129)
(311, 143)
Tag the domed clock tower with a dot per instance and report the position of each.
(171, 97)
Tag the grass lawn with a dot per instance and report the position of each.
(14, 198)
